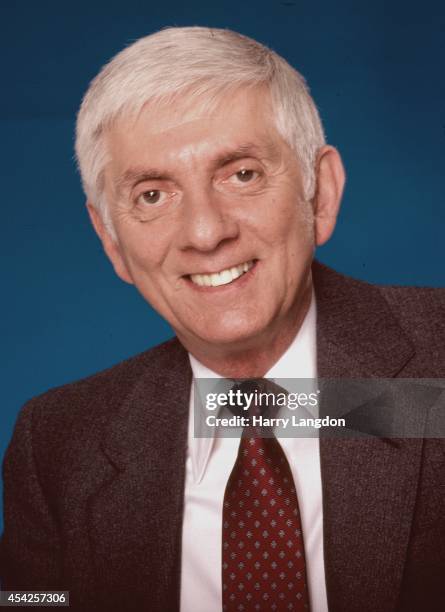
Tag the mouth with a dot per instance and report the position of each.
(223, 277)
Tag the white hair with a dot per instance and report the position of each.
(201, 64)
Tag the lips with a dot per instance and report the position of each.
(223, 277)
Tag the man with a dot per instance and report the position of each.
(210, 184)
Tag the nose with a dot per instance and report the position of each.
(206, 221)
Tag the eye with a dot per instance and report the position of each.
(153, 197)
(245, 175)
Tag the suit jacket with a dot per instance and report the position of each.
(94, 475)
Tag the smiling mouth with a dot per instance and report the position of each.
(224, 277)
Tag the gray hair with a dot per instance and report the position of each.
(203, 64)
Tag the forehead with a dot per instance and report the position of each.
(182, 131)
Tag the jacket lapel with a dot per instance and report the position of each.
(135, 518)
(369, 483)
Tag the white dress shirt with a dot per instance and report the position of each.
(208, 467)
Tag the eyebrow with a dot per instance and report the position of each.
(133, 176)
(244, 150)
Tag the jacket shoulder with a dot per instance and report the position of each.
(423, 303)
(96, 397)
(418, 312)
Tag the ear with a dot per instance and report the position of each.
(110, 245)
(330, 176)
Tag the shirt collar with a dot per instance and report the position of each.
(298, 361)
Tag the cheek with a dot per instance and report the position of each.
(291, 226)
(142, 252)
(297, 245)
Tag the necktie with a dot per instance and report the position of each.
(263, 564)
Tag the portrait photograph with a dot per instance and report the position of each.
(224, 306)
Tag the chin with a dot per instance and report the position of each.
(232, 330)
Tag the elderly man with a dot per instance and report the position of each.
(209, 183)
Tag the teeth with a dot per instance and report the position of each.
(221, 278)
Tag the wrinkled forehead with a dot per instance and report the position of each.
(196, 103)
(181, 133)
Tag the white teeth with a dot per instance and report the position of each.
(221, 278)
(225, 277)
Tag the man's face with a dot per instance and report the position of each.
(210, 219)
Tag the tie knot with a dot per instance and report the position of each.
(258, 396)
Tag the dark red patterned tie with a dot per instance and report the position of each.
(263, 564)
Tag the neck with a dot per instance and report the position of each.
(255, 360)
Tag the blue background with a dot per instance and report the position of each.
(376, 71)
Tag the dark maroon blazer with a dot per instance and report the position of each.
(94, 475)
